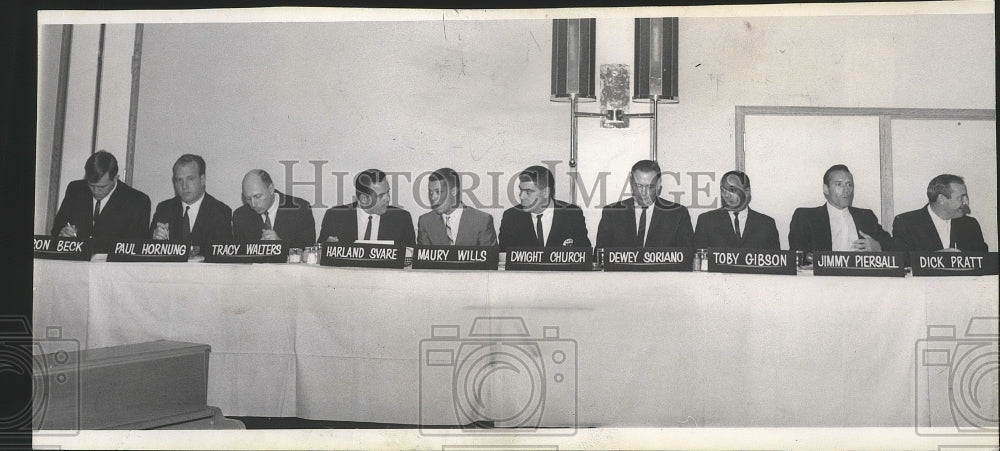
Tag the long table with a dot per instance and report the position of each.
(627, 349)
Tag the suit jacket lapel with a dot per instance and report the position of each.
(463, 235)
(826, 239)
(927, 227)
(198, 222)
(557, 221)
(108, 204)
(630, 222)
(749, 226)
(352, 230)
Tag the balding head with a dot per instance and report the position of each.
(258, 190)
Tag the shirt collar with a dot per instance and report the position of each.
(273, 211)
(937, 219)
(194, 205)
(104, 201)
(834, 211)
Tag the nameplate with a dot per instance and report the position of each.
(549, 259)
(751, 261)
(61, 248)
(255, 252)
(148, 251)
(363, 255)
(456, 257)
(954, 263)
(648, 259)
(884, 264)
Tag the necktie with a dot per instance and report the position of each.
(368, 229)
(538, 230)
(186, 225)
(97, 212)
(641, 236)
(736, 225)
(447, 229)
(267, 220)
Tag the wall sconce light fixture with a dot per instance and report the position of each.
(573, 48)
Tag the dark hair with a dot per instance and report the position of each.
(744, 178)
(834, 168)
(541, 177)
(364, 181)
(646, 166)
(100, 163)
(942, 185)
(450, 178)
(191, 158)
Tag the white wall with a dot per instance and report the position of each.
(49, 44)
(473, 95)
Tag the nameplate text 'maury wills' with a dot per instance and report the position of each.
(455, 257)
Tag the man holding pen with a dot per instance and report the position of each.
(102, 207)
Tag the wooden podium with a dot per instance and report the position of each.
(153, 385)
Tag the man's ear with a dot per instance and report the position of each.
(364, 200)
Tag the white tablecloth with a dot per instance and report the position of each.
(651, 349)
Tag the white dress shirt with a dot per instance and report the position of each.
(843, 232)
(546, 222)
(272, 212)
(453, 220)
(194, 208)
(104, 202)
(743, 220)
(638, 215)
(363, 223)
(943, 227)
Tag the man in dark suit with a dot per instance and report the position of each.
(268, 214)
(943, 224)
(837, 225)
(645, 219)
(102, 207)
(540, 219)
(736, 224)
(192, 215)
(370, 217)
(450, 222)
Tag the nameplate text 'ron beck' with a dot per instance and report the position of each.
(61, 248)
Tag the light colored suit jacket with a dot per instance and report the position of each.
(474, 229)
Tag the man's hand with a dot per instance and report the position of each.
(866, 243)
(68, 230)
(162, 231)
(269, 235)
